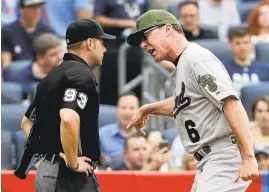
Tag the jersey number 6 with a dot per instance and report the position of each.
(192, 132)
(71, 95)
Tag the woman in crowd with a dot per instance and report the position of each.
(260, 125)
(258, 23)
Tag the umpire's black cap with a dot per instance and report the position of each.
(83, 29)
(31, 3)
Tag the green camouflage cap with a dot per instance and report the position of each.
(148, 20)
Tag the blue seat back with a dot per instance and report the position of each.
(250, 93)
(262, 52)
(12, 115)
(107, 115)
(12, 73)
(219, 48)
(11, 91)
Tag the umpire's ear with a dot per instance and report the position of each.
(90, 44)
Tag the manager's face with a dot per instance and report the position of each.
(154, 41)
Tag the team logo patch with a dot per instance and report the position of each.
(208, 80)
(233, 139)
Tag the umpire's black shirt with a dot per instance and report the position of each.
(71, 85)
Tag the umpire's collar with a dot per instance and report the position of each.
(73, 57)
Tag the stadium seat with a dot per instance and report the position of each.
(107, 115)
(250, 93)
(19, 141)
(12, 73)
(7, 155)
(219, 48)
(12, 115)
(114, 161)
(213, 28)
(31, 90)
(13, 92)
(173, 8)
(244, 10)
(262, 52)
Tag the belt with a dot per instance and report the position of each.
(53, 158)
(215, 145)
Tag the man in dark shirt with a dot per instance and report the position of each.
(118, 18)
(66, 109)
(49, 52)
(18, 36)
(189, 15)
(243, 69)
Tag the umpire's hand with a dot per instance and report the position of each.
(83, 164)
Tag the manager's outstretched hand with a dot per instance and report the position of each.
(138, 121)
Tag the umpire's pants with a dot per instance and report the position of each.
(54, 176)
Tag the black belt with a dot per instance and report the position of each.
(53, 158)
(201, 153)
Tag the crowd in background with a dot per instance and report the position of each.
(33, 43)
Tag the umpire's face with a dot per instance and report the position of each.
(155, 41)
(97, 48)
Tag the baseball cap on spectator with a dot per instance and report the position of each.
(259, 151)
(31, 3)
(148, 20)
(83, 29)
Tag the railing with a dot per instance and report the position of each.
(152, 79)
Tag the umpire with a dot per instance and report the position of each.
(65, 110)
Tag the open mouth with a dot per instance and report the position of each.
(151, 51)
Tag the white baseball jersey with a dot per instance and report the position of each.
(200, 83)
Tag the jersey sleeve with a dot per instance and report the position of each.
(77, 89)
(213, 81)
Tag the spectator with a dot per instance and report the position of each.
(188, 162)
(260, 111)
(137, 157)
(8, 11)
(156, 144)
(18, 36)
(134, 154)
(60, 13)
(49, 52)
(258, 23)
(262, 156)
(221, 13)
(178, 152)
(115, 16)
(118, 18)
(189, 16)
(113, 136)
(242, 69)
